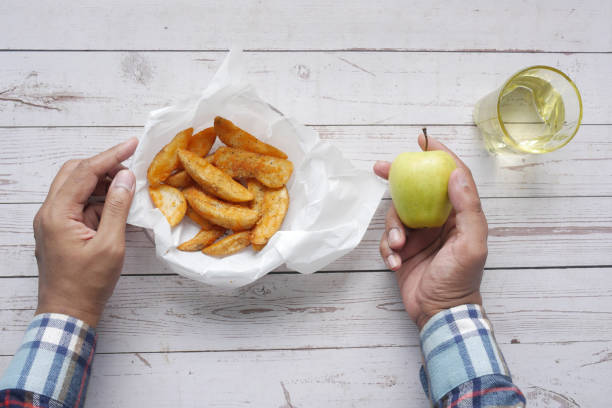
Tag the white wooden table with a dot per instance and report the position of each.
(77, 77)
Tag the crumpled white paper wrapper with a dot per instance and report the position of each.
(331, 206)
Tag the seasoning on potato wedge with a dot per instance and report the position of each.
(202, 239)
(233, 136)
(229, 245)
(270, 171)
(258, 191)
(233, 216)
(213, 180)
(170, 202)
(253, 206)
(274, 209)
(201, 142)
(180, 180)
(198, 219)
(166, 161)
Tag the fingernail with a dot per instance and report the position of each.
(393, 261)
(394, 237)
(124, 179)
(130, 141)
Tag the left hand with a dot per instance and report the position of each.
(80, 245)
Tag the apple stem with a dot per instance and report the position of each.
(426, 141)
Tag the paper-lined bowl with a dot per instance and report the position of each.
(331, 206)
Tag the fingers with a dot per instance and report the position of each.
(61, 176)
(395, 230)
(463, 193)
(419, 240)
(116, 207)
(389, 256)
(434, 144)
(82, 180)
(392, 240)
(92, 214)
(69, 167)
(470, 219)
(102, 187)
(394, 236)
(381, 168)
(113, 172)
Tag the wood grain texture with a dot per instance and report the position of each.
(582, 168)
(121, 88)
(535, 232)
(331, 339)
(326, 310)
(389, 24)
(549, 376)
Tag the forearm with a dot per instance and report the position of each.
(52, 366)
(462, 362)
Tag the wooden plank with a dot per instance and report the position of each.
(523, 233)
(345, 377)
(582, 168)
(388, 24)
(534, 232)
(549, 375)
(290, 311)
(121, 88)
(17, 245)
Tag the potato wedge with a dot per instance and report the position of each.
(202, 239)
(233, 136)
(258, 191)
(166, 160)
(212, 180)
(229, 245)
(198, 219)
(170, 202)
(233, 216)
(201, 142)
(257, 247)
(275, 205)
(270, 171)
(180, 180)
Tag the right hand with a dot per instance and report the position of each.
(438, 268)
(80, 245)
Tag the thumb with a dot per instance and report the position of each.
(470, 220)
(116, 207)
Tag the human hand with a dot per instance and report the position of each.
(438, 268)
(80, 244)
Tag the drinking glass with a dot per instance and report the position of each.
(537, 110)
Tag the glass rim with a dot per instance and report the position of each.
(522, 71)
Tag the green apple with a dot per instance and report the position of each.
(419, 187)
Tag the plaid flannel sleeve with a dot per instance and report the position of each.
(463, 366)
(52, 366)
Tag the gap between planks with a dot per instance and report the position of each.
(257, 350)
(389, 198)
(382, 346)
(495, 268)
(331, 50)
(314, 125)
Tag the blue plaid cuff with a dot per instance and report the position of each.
(458, 345)
(54, 359)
